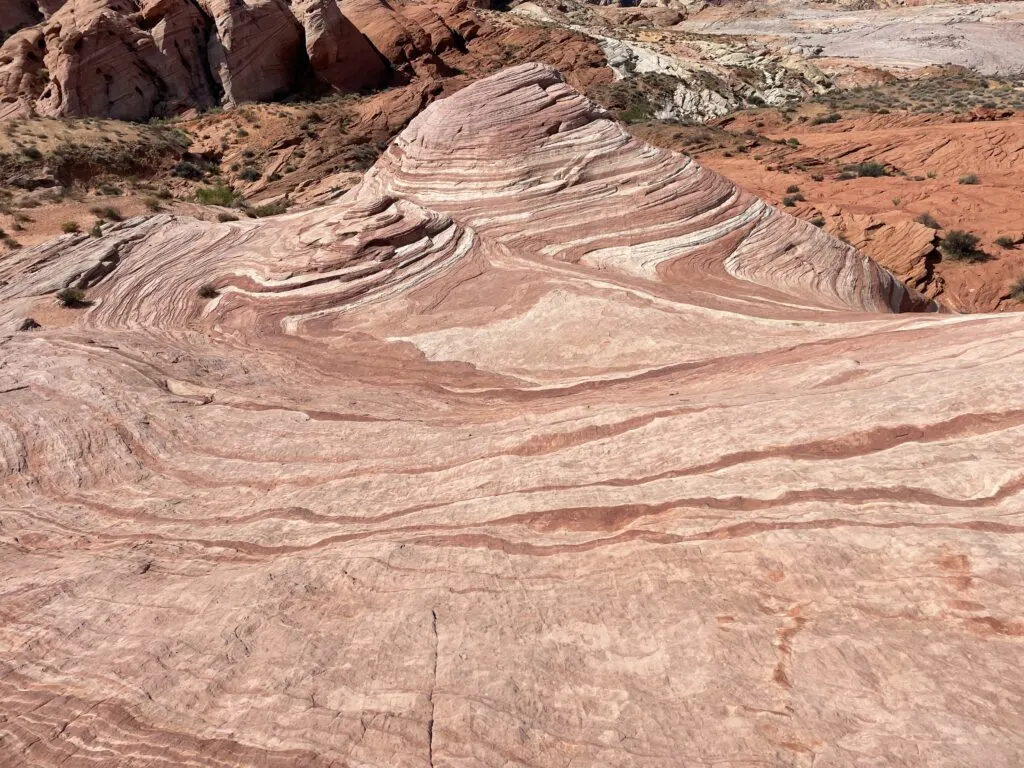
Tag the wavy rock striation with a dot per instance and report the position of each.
(540, 446)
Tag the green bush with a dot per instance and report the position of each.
(71, 297)
(870, 169)
(634, 114)
(1017, 290)
(832, 117)
(250, 174)
(962, 246)
(789, 202)
(928, 220)
(70, 227)
(792, 188)
(272, 209)
(1005, 241)
(224, 218)
(187, 170)
(108, 212)
(218, 195)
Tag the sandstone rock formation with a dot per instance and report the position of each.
(132, 61)
(982, 36)
(714, 77)
(338, 52)
(541, 446)
(926, 155)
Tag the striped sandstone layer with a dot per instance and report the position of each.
(540, 447)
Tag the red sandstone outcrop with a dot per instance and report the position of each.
(256, 51)
(927, 155)
(15, 14)
(338, 52)
(131, 61)
(540, 446)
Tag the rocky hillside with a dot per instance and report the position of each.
(133, 60)
(540, 446)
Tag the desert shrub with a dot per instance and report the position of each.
(818, 221)
(635, 113)
(70, 227)
(29, 324)
(961, 246)
(932, 175)
(817, 177)
(271, 209)
(32, 153)
(870, 169)
(792, 188)
(249, 174)
(928, 220)
(1005, 241)
(207, 291)
(109, 190)
(71, 297)
(187, 170)
(846, 176)
(362, 156)
(278, 177)
(218, 195)
(969, 179)
(832, 117)
(97, 229)
(152, 204)
(108, 212)
(1017, 290)
(789, 202)
(224, 218)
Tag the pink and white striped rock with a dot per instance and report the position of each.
(540, 447)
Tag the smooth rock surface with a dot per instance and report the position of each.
(540, 447)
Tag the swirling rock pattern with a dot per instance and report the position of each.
(540, 447)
